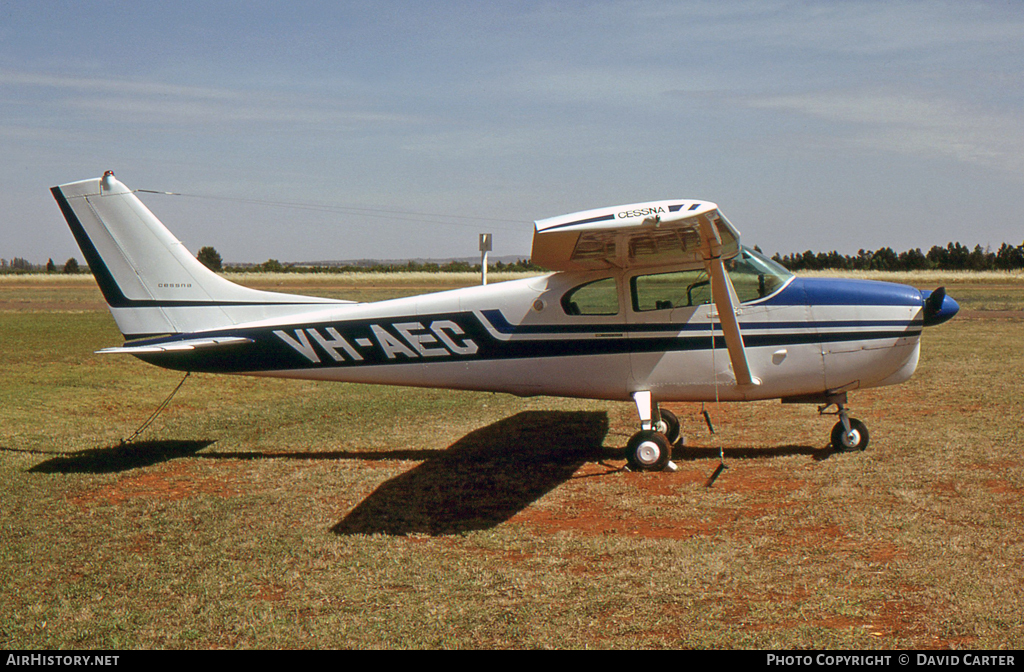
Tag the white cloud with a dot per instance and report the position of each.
(913, 124)
(122, 86)
(138, 101)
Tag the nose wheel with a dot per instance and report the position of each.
(853, 438)
(849, 433)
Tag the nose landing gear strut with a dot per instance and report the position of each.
(849, 433)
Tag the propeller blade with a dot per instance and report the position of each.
(933, 304)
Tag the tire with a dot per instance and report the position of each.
(842, 443)
(648, 450)
(669, 426)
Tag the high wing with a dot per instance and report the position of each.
(656, 233)
(681, 233)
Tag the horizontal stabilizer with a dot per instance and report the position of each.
(175, 346)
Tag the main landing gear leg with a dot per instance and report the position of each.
(849, 433)
(650, 449)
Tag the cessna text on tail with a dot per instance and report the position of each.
(648, 302)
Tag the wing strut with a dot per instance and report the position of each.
(723, 294)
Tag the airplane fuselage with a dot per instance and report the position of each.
(809, 336)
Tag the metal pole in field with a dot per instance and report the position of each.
(485, 247)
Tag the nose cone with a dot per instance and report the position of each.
(938, 307)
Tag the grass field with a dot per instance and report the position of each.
(270, 513)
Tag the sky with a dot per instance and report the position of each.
(309, 131)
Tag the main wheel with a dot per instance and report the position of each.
(648, 450)
(857, 439)
(669, 426)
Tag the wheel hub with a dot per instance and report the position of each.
(648, 452)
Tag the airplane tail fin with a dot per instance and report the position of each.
(153, 285)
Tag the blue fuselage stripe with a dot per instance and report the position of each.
(503, 326)
(464, 337)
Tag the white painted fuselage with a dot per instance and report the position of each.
(515, 337)
(636, 331)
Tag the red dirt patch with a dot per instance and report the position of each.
(765, 492)
(945, 488)
(270, 592)
(839, 542)
(591, 519)
(1002, 487)
(997, 466)
(654, 483)
(739, 479)
(168, 483)
(755, 480)
(882, 551)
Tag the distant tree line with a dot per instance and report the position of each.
(952, 257)
(19, 265)
(275, 266)
(209, 257)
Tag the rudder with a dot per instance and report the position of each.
(151, 282)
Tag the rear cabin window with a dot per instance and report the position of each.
(600, 297)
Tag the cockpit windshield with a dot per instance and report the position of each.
(754, 275)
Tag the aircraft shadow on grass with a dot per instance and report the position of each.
(136, 455)
(495, 472)
(484, 478)
(480, 481)
(122, 457)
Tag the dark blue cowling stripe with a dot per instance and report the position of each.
(843, 292)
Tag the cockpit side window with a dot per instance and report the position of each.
(664, 291)
(753, 276)
(600, 297)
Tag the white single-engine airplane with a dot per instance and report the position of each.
(650, 303)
